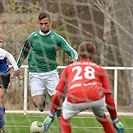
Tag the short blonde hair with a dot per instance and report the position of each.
(87, 50)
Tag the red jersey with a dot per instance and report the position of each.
(85, 80)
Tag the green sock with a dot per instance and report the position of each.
(43, 98)
(58, 113)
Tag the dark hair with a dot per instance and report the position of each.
(43, 15)
(87, 50)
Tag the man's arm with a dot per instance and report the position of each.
(24, 52)
(10, 57)
(68, 49)
(105, 81)
(61, 88)
(111, 104)
(12, 60)
(56, 101)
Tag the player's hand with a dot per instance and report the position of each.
(11, 67)
(48, 121)
(16, 73)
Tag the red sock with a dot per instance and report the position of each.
(111, 106)
(65, 125)
(107, 125)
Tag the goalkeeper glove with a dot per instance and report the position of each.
(48, 121)
(118, 125)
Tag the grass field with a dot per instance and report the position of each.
(19, 123)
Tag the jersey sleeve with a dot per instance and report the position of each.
(105, 81)
(67, 48)
(9, 56)
(24, 52)
(12, 60)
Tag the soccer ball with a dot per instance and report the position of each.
(36, 127)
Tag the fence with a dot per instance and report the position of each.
(115, 90)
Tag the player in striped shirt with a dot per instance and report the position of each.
(41, 47)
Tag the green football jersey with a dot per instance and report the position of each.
(41, 51)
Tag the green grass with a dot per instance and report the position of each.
(19, 123)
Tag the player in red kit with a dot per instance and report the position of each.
(87, 88)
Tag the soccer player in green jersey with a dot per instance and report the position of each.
(41, 47)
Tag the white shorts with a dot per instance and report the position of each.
(70, 109)
(41, 81)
